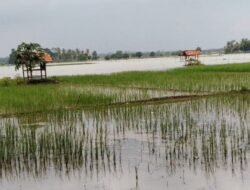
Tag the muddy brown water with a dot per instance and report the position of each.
(201, 144)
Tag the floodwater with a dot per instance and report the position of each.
(107, 67)
(201, 144)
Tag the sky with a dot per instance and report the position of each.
(127, 25)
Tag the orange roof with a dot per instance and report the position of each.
(191, 53)
(47, 58)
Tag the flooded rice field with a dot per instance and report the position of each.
(201, 144)
(107, 67)
(133, 94)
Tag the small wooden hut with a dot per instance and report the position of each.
(191, 56)
(39, 70)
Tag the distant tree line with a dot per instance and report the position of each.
(74, 55)
(117, 55)
(69, 55)
(126, 55)
(64, 55)
(235, 46)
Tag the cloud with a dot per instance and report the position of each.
(108, 25)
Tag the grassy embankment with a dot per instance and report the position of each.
(70, 93)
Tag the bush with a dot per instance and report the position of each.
(107, 57)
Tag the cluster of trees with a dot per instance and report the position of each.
(63, 55)
(117, 55)
(234, 46)
(125, 55)
(150, 54)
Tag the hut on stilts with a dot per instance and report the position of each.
(38, 69)
(191, 57)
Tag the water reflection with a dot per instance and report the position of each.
(175, 146)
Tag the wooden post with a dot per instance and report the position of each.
(27, 70)
(45, 70)
(23, 71)
(41, 72)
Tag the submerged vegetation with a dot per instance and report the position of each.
(207, 135)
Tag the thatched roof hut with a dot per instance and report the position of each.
(191, 56)
(191, 53)
(46, 58)
(39, 68)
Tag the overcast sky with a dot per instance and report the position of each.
(129, 25)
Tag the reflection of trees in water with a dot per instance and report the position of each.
(199, 135)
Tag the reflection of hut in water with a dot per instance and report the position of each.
(191, 56)
(38, 70)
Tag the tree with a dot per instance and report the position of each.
(28, 55)
(83, 57)
(125, 56)
(12, 56)
(245, 45)
(117, 55)
(230, 46)
(94, 55)
(107, 57)
(138, 54)
(198, 49)
(152, 54)
(176, 53)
